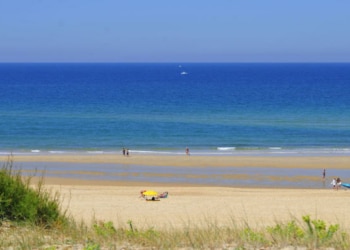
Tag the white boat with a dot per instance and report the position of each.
(183, 73)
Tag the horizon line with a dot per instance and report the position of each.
(190, 62)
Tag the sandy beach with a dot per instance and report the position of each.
(203, 206)
(198, 205)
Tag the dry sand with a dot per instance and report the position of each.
(199, 205)
(202, 206)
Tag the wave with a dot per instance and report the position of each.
(219, 151)
(226, 148)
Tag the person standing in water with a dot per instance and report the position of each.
(324, 174)
(187, 151)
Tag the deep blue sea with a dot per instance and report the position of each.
(164, 108)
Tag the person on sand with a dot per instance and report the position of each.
(187, 151)
(163, 195)
(338, 183)
(141, 193)
(334, 183)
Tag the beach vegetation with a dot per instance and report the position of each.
(22, 203)
(315, 233)
(318, 231)
(253, 237)
(104, 235)
(31, 218)
(104, 228)
(92, 246)
(286, 232)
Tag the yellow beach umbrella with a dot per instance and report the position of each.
(150, 193)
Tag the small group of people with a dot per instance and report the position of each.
(125, 151)
(336, 183)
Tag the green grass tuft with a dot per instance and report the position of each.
(21, 203)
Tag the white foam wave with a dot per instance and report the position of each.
(194, 151)
(226, 148)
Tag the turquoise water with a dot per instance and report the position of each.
(153, 108)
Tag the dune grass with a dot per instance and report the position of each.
(32, 218)
(20, 202)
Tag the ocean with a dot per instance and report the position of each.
(219, 109)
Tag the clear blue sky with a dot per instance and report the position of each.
(174, 31)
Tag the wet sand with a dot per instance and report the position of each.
(226, 171)
(310, 162)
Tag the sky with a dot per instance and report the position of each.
(174, 31)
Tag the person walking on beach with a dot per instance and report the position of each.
(187, 151)
(124, 151)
